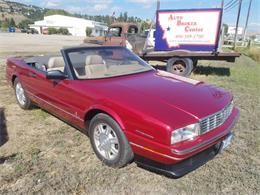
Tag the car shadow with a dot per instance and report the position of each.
(3, 128)
(3, 135)
(5, 158)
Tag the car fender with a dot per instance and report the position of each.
(110, 112)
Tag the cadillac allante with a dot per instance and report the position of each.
(130, 111)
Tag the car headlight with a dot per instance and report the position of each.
(185, 133)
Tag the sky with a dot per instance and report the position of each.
(145, 9)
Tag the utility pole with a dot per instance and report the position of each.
(238, 16)
(221, 28)
(222, 4)
(248, 13)
(158, 4)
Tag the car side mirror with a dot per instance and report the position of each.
(55, 75)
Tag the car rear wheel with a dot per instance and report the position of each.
(21, 97)
(109, 142)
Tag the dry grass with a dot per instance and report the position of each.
(46, 156)
(252, 52)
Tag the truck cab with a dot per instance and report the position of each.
(118, 32)
(125, 34)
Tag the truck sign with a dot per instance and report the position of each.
(194, 30)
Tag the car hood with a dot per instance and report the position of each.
(161, 90)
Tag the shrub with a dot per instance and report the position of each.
(24, 24)
(63, 31)
(88, 31)
(52, 31)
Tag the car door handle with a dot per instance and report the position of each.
(32, 75)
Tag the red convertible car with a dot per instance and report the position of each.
(166, 123)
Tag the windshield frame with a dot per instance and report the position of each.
(67, 51)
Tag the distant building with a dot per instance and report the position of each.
(76, 26)
(232, 30)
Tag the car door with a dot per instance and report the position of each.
(58, 96)
(36, 86)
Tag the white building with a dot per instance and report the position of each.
(76, 26)
(232, 30)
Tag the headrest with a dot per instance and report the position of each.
(94, 59)
(55, 62)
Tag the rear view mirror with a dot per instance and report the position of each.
(55, 75)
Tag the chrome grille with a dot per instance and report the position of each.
(215, 120)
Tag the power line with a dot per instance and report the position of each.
(230, 8)
(231, 5)
(231, 1)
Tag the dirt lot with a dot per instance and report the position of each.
(46, 156)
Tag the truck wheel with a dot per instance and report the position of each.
(180, 66)
(109, 142)
(21, 96)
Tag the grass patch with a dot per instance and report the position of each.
(21, 165)
(249, 77)
(41, 113)
(252, 52)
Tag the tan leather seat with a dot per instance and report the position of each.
(95, 66)
(56, 63)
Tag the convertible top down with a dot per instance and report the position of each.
(167, 123)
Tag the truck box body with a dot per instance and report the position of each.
(193, 30)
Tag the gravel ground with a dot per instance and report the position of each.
(46, 156)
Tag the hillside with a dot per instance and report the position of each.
(13, 13)
(20, 11)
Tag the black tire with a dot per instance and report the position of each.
(180, 66)
(27, 102)
(125, 154)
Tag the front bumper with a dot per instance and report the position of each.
(179, 152)
(183, 167)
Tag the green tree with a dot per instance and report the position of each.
(88, 31)
(57, 12)
(12, 22)
(144, 25)
(11, 9)
(52, 31)
(24, 24)
(125, 17)
(5, 23)
(120, 18)
(63, 31)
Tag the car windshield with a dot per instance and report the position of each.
(105, 62)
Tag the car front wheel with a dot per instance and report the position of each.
(109, 142)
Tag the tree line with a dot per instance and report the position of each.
(38, 14)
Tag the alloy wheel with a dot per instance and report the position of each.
(106, 141)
